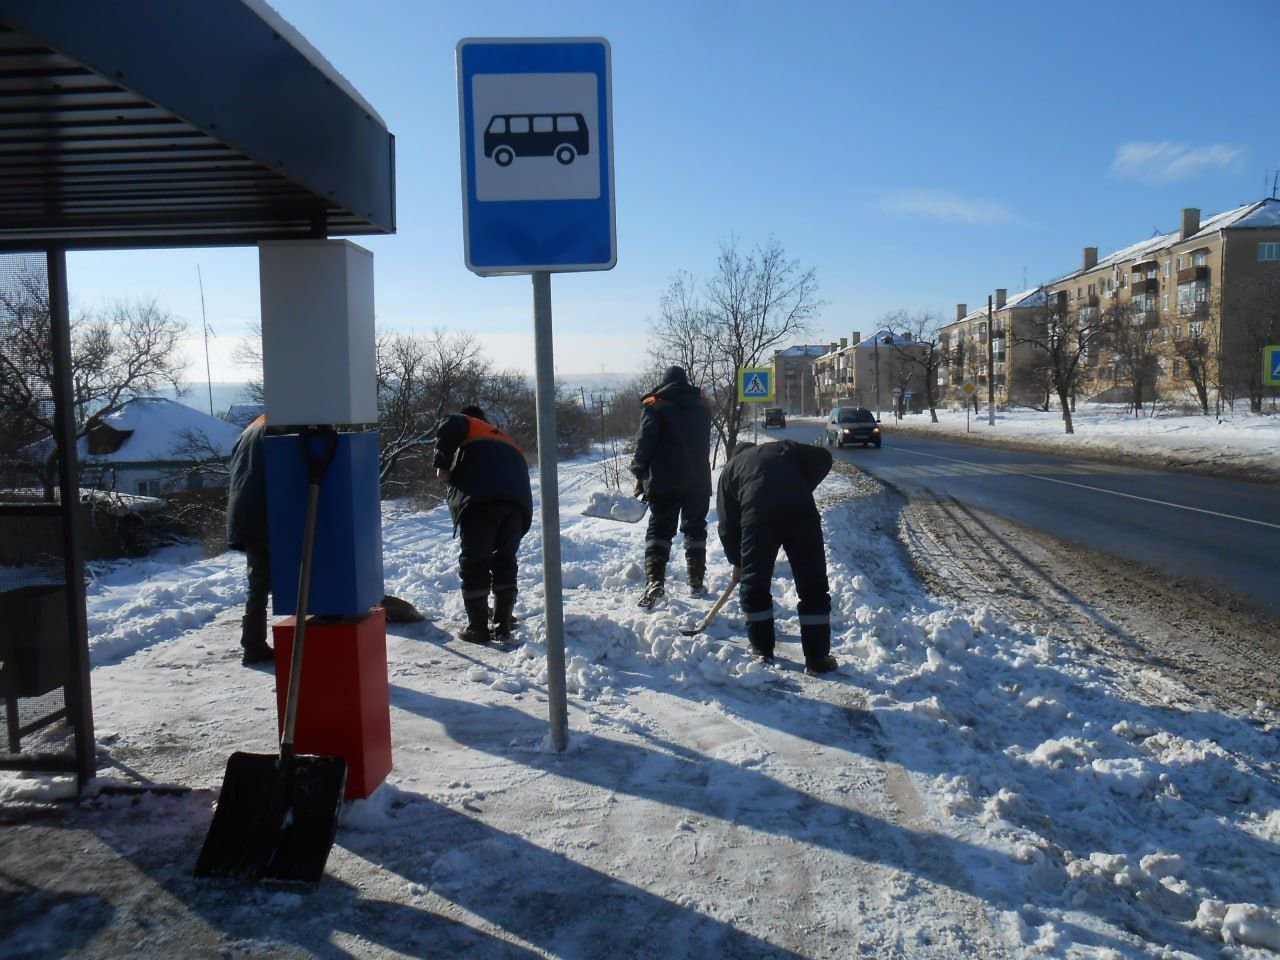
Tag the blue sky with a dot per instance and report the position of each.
(915, 153)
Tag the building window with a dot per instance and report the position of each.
(1181, 262)
(1164, 301)
(1165, 268)
(1177, 369)
(1269, 251)
(1200, 258)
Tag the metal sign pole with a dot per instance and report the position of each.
(548, 481)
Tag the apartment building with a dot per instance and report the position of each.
(1199, 282)
(866, 372)
(1015, 364)
(1206, 282)
(793, 378)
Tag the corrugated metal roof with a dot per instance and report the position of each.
(153, 123)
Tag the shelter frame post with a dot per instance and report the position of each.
(78, 698)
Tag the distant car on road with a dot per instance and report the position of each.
(774, 417)
(852, 425)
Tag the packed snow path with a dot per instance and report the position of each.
(966, 787)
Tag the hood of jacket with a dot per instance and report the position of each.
(682, 394)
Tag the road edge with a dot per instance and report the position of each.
(1247, 472)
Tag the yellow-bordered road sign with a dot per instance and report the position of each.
(1271, 365)
(755, 384)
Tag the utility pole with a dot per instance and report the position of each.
(991, 367)
(204, 320)
(876, 351)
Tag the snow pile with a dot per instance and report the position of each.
(1091, 807)
(613, 505)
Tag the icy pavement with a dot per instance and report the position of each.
(966, 787)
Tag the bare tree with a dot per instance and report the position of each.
(1131, 346)
(419, 380)
(1069, 339)
(1254, 323)
(128, 350)
(247, 353)
(919, 347)
(752, 303)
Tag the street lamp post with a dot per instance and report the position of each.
(888, 341)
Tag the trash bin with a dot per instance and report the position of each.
(34, 654)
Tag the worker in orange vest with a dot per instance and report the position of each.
(492, 505)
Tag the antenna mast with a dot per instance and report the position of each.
(204, 320)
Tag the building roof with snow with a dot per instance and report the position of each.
(802, 350)
(149, 430)
(1259, 215)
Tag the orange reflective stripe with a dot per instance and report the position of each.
(478, 429)
(654, 401)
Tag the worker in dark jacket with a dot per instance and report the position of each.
(765, 501)
(247, 531)
(672, 467)
(491, 503)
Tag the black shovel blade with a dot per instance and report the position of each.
(276, 819)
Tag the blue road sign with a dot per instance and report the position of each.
(535, 122)
(1271, 365)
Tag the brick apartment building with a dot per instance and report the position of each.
(793, 378)
(848, 373)
(1206, 283)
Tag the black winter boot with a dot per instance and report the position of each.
(815, 639)
(504, 605)
(826, 664)
(696, 563)
(253, 640)
(477, 629)
(655, 573)
(760, 634)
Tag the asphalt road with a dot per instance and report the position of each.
(1204, 529)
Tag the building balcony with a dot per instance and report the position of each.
(1142, 286)
(1139, 317)
(1193, 275)
(1198, 308)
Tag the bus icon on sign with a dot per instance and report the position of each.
(560, 135)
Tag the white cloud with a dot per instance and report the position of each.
(940, 205)
(1163, 161)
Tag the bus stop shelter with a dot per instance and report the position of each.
(131, 125)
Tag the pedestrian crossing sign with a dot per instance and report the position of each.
(1271, 365)
(755, 385)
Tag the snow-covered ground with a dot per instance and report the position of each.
(1250, 441)
(965, 787)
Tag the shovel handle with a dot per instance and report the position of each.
(316, 468)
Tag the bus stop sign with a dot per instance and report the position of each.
(535, 122)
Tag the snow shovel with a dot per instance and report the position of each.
(711, 614)
(277, 815)
(616, 505)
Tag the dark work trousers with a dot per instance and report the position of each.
(665, 514)
(491, 534)
(253, 628)
(800, 535)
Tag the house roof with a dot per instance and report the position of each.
(158, 426)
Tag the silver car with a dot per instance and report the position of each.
(852, 425)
